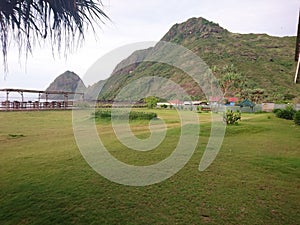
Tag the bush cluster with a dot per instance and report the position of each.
(102, 114)
(133, 115)
(287, 113)
(297, 118)
(231, 117)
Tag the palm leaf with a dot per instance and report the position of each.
(26, 21)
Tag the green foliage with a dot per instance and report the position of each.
(122, 115)
(297, 118)
(288, 96)
(275, 111)
(230, 80)
(133, 115)
(257, 57)
(231, 117)
(16, 135)
(151, 101)
(102, 114)
(164, 106)
(287, 113)
(64, 21)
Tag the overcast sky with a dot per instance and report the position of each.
(136, 21)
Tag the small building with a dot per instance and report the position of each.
(247, 103)
(232, 100)
(176, 102)
(226, 100)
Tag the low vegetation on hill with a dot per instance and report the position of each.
(266, 62)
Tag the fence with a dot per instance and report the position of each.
(35, 105)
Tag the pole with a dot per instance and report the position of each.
(22, 95)
(297, 70)
(7, 103)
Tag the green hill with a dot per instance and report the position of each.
(265, 61)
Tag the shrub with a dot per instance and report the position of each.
(142, 115)
(133, 115)
(151, 101)
(297, 118)
(102, 114)
(276, 110)
(231, 117)
(287, 113)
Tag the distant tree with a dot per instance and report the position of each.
(61, 21)
(245, 93)
(230, 80)
(151, 101)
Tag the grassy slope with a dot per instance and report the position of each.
(266, 61)
(44, 179)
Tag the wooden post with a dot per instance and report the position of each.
(22, 103)
(297, 70)
(297, 52)
(22, 97)
(47, 103)
(65, 100)
(7, 93)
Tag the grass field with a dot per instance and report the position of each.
(255, 178)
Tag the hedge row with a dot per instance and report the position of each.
(289, 113)
(122, 115)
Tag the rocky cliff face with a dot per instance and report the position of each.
(194, 27)
(69, 82)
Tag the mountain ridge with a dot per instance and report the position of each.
(266, 61)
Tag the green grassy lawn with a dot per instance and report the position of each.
(255, 178)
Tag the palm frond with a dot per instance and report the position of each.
(60, 21)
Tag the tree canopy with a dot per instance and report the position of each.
(231, 81)
(63, 22)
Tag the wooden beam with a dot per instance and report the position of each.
(297, 70)
(41, 92)
(298, 41)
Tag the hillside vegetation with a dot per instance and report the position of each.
(265, 61)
